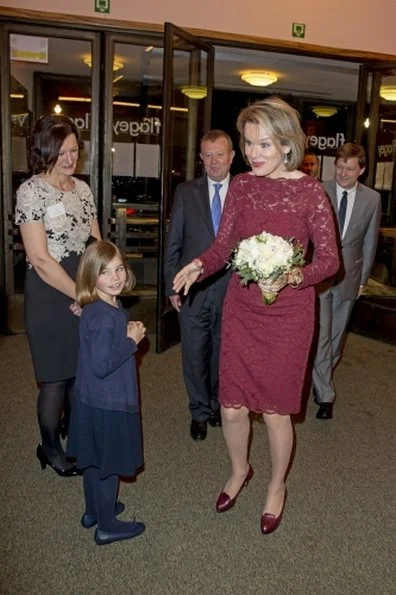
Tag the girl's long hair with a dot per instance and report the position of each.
(92, 263)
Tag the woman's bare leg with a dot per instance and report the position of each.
(236, 430)
(281, 438)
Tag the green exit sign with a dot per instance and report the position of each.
(102, 6)
(298, 30)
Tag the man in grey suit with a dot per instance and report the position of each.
(194, 221)
(358, 210)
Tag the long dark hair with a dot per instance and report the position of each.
(48, 136)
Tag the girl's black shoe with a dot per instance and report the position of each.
(90, 520)
(104, 537)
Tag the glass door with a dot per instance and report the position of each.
(376, 131)
(43, 71)
(132, 148)
(188, 71)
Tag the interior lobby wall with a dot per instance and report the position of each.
(356, 25)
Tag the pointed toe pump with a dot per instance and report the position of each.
(225, 502)
(269, 522)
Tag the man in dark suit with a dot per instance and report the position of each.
(194, 222)
(359, 213)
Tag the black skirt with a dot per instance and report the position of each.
(109, 440)
(51, 327)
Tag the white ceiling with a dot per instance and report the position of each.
(298, 75)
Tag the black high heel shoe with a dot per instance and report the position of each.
(63, 428)
(44, 461)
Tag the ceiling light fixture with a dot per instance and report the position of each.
(122, 103)
(81, 99)
(117, 63)
(173, 108)
(388, 92)
(126, 103)
(324, 111)
(16, 96)
(259, 78)
(58, 109)
(194, 91)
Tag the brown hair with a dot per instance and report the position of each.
(350, 150)
(93, 262)
(213, 135)
(309, 153)
(281, 121)
(48, 136)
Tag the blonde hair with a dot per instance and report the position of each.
(281, 121)
(92, 263)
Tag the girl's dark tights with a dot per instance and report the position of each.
(53, 399)
(100, 500)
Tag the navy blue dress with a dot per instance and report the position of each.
(105, 430)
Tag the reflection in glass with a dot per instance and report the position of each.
(37, 88)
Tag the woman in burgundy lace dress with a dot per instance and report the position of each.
(265, 348)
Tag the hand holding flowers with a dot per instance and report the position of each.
(271, 261)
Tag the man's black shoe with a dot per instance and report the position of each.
(198, 429)
(325, 411)
(214, 419)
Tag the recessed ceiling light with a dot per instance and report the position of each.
(324, 111)
(259, 78)
(117, 62)
(388, 92)
(194, 91)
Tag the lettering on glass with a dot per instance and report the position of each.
(134, 128)
(326, 142)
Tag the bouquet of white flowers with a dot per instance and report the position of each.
(264, 258)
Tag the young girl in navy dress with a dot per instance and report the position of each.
(105, 433)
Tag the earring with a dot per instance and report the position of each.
(286, 158)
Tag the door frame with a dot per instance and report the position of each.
(167, 324)
(376, 69)
(7, 236)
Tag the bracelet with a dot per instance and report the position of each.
(298, 279)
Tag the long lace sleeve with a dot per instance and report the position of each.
(322, 232)
(219, 253)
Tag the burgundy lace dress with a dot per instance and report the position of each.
(265, 348)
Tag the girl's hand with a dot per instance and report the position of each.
(274, 286)
(76, 309)
(136, 331)
(187, 276)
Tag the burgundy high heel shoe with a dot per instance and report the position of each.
(224, 502)
(269, 522)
